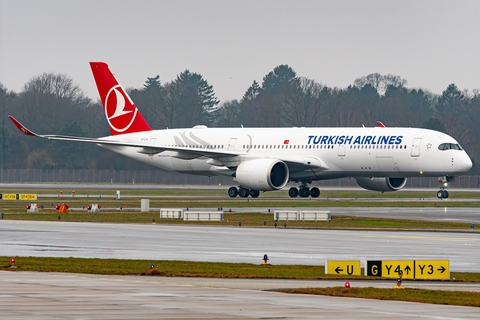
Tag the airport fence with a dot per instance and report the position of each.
(165, 177)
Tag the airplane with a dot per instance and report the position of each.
(266, 159)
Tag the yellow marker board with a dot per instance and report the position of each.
(432, 269)
(390, 268)
(18, 196)
(411, 269)
(9, 196)
(28, 197)
(343, 267)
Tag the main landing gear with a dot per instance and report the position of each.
(304, 191)
(242, 192)
(444, 181)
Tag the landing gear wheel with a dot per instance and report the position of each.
(304, 192)
(244, 192)
(293, 192)
(232, 192)
(442, 194)
(315, 192)
(254, 193)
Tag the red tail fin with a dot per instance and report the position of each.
(122, 114)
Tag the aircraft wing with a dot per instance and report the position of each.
(295, 163)
(298, 163)
(184, 153)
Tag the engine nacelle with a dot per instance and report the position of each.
(262, 174)
(382, 184)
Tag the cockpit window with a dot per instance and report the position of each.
(448, 146)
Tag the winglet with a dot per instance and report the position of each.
(22, 128)
(380, 124)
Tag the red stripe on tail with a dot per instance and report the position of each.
(122, 114)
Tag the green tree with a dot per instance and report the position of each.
(434, 124)
(256, 109)
(451, 101)
(150, 100)
(404, 107)
(6, 101)
(277, 81)
(198, 101)
(365, 105)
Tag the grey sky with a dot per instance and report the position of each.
(231, 43)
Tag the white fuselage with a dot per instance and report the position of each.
(340, 152)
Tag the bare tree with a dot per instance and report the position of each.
(51, 100)
(229, 114)
(301, 102)
(380, 82)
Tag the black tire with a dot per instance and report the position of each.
(244, 192)
(232, 192)
(440, 194)
(254, 193)
(315, 192)
(293, 192)
(445, 194)
(304, 192)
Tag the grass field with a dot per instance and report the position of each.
(248, 220)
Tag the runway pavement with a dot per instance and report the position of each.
(233, 244)
(27, 295)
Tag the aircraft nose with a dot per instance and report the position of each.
(465, 163)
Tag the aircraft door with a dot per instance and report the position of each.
(341, 150)
(416, 147)
(231, 144)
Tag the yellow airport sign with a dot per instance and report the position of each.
(343, 267)
(432, 269)
(411, 269)
(18, 196)
(28, 197)
(9, 196)
(391, 268)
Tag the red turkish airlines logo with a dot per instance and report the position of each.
(120, 115)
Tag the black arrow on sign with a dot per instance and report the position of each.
(407, 269)
(337, 269)
(442, 269)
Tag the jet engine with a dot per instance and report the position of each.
(382, 184)
(262, 174)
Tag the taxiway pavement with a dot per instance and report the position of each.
(29, 295)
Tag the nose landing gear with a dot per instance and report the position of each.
(444, 182)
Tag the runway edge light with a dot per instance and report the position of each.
(12, 262)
